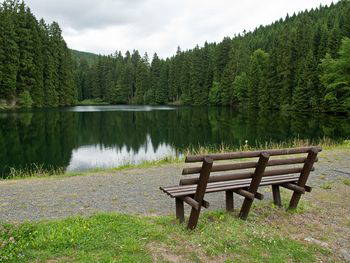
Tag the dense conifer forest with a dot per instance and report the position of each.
(36, 67)
(278, 66)
(299, 63)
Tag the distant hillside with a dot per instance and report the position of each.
(90, 58)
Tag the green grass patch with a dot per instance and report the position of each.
(346, 181)
(126, 238)
(326, 185)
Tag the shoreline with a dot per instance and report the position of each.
(62, 219)
(326, 145)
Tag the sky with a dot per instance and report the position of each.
(104, 26)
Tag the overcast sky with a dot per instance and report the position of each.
(104, 26)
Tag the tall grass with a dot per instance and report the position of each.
(325, 143)
(37, 170)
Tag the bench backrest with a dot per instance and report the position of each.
(306, 163)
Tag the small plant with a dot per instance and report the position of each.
(346, 181)
(326, 185)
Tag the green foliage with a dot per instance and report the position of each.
(25, 100)
(336, 79)
(214, 94)
(272, 67)
(240, 88)
(36, 68)
(258, 93)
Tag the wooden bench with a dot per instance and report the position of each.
(245, 183)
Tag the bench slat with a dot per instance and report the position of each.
(237, 183)
(229, 185)
(245, 175)
(193, 186)
(244, 165)
(238, 155)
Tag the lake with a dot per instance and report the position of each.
(84, 137)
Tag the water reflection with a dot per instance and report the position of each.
(93, 156)
(83, 137)
(118, 108)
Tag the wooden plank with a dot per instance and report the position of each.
(180, 188)
(259, 196)
(229, 201)
(308, 188)
(244, 165)
(245, 175)
(235, 184)
(230, 187)
(276, 195)
(180, 212)
(254, 185)
(245, 193)
(250, 154)
(294, 187)
(190, 201)
(304, 175)
(200, 191)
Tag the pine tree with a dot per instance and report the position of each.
(336, 79)
(240, 88)
(258, 96)
(9, 51)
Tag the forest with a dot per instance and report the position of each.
(36, 66)
(297, 63)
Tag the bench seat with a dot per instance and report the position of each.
(185, 190)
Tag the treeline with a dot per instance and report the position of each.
(273, 67)
(36, 67)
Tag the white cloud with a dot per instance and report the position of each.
(159, 25)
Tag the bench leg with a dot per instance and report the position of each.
(304, 175)
(194, 216)
(254, 185)
(180, 212)
(229, 201)
(247, 203)
(295, 200)
(276, 195)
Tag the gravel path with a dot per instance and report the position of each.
(129, 191)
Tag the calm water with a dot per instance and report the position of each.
(84, 137)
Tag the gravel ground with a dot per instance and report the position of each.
(133, 191)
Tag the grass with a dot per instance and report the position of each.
(126, 238)
(346, 181)
(326, 185)
(270, 234)
(38, 171)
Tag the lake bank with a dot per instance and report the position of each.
(129, 189)
(120, 215)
